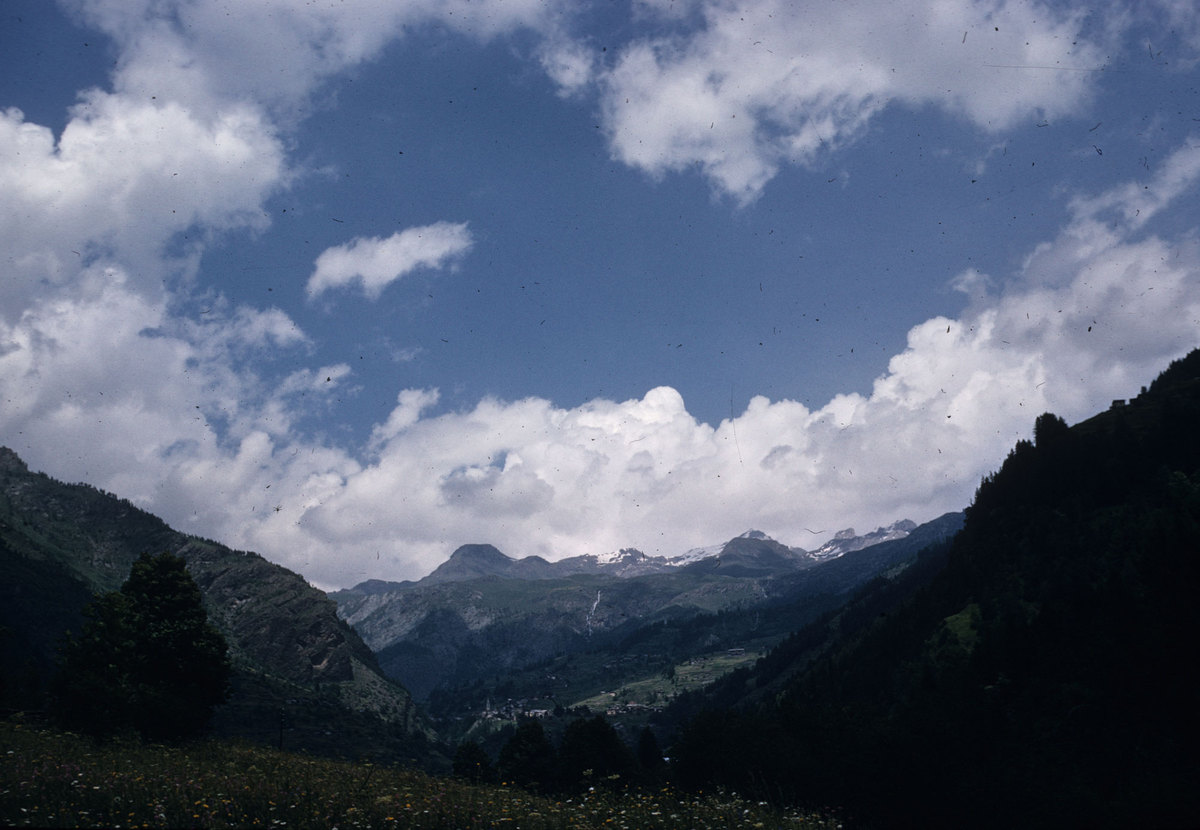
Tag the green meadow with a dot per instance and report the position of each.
(660, 688)
(56, 779)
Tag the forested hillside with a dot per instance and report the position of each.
(1039, 670)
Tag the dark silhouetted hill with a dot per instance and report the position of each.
(302, 676)
(1037, 671)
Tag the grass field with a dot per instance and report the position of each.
(55, 779)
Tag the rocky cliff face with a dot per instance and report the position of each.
(277, 620)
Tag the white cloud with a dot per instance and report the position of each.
(1136, 203)
(765, 83)
(99, 381)
(105, 386)
(1092, 315)
(123, 180)
(569, 64)
(276, 52)
(375, 263)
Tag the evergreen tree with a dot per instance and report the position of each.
(146, 659)
(1049, 430)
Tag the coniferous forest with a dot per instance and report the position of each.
(1038, 670)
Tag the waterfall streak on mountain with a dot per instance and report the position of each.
(592, 613)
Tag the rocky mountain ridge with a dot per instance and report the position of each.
(482, 613)
(846, 541)
(474, 561)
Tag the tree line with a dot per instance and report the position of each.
(590, 753)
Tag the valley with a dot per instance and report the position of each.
(486, 633)
(1031, 645)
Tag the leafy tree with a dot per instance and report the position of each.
(146, 658)
(91, 688)
(472, 763)
(528, 758)
(592, 748)
(649, 752)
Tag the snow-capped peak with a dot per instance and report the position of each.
(622, 556)
(845, 541)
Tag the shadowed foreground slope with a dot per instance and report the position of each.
(1040, 670)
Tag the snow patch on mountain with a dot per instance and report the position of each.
(845, 541)
(694, 555)
(481, 560)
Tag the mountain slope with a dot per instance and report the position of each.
(456, 632)
(61, 543)
(1039, 670)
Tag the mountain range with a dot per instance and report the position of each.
(483, 614)
(753, 549)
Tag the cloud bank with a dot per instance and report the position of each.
(1093, 314)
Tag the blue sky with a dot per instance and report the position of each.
(354, 283)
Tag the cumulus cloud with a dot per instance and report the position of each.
(374, 263)
(536, 478)
(764, 83)
(204, 53)
(1092, 315)
(123, 180)
(108, 387)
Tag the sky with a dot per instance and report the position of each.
(351, 283)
